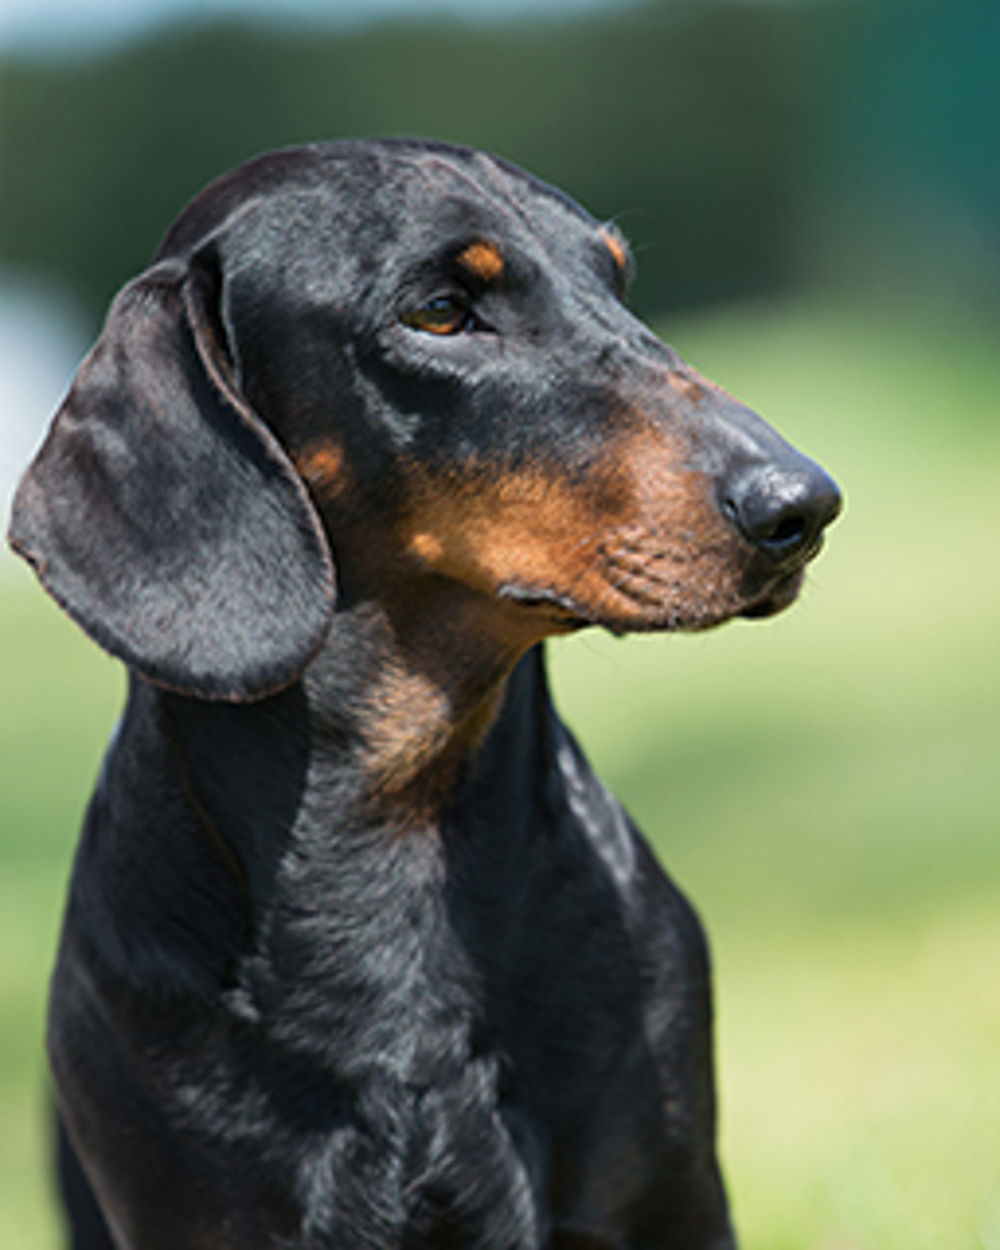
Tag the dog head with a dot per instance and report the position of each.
(418, 357)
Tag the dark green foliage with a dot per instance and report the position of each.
(742, 147)
(676, 121)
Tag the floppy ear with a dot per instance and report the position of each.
(163, 514)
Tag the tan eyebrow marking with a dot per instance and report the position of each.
(483, 260)
(615, 244)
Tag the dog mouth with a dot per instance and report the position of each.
(563, 611)
(779, 596)
(783, 589)
(639, 601)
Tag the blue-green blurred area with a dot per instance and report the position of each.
(812, 189)
(745, 146)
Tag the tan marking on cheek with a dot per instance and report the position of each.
(636, 541)
(426, 547)
(323, 466)
(676, 563)
(527, 528)
(483, 260)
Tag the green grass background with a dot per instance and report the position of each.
(826, 786)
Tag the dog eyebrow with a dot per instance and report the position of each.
(614, 241)
(483, 260)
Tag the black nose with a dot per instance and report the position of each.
(782, 509)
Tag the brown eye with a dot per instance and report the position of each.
(443, 315)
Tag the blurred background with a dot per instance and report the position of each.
(813, 191)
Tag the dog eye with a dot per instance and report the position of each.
(444, 315)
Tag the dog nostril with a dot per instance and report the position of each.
(765, 526)
(784, 514)
(789, 531)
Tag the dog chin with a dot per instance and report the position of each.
(568, 616)
(779, 596)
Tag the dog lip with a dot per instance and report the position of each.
(808, 555)
(778, 596)
(569, 613)
(772, 596)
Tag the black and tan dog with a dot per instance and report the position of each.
(358, 952)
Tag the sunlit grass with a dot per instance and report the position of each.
(862, 1097)
(824, 785)
(58, 697)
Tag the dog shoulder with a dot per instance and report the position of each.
(658, 915)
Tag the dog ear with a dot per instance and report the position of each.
(163, 514)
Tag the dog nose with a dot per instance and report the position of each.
(783, 509)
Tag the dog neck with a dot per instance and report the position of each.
(413, 695)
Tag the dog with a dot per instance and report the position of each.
(358, 951)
